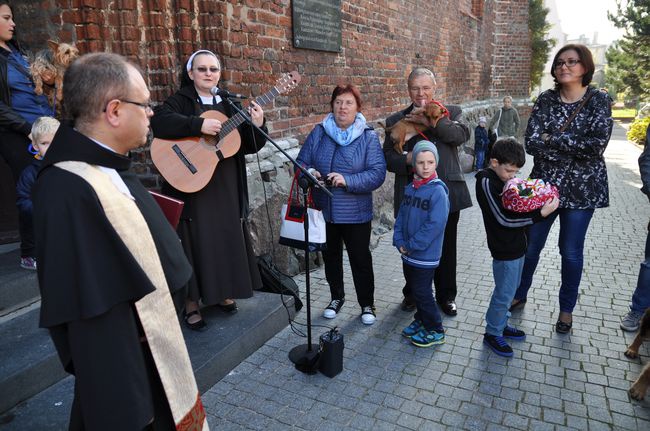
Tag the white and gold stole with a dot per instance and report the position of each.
(156, 310)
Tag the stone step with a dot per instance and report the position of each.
(214, 352)
(28, 361)
(18, 287)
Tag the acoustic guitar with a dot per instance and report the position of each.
(189, 163)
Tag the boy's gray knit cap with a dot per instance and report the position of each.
(424, 146)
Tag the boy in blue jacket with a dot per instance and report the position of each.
(506, 238)
(481, 142)
(43, 131)
(418, 235)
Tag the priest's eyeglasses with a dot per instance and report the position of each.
(148, 107)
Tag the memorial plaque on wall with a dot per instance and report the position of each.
(317, 24)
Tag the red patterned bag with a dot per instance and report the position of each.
(524, 196)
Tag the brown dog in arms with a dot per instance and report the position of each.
(405, 129)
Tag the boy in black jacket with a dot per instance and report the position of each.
(506, 237)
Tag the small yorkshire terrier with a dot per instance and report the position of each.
(49, 66)
(640, 386)
(42, 70)
(404, 129)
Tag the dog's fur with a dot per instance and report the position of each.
(49, 68)
(640, 386)
(404, 129)
(42, 71)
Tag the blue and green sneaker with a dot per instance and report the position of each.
(412, 329)
(426, 338)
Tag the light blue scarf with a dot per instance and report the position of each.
(344, 137)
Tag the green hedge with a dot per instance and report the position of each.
(637, 130)
(623, 113)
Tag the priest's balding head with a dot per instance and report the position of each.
(108, 100)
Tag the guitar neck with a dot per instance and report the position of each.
(234, 121)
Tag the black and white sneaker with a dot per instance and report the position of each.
(368, 316)
(332, 310)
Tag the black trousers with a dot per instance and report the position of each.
(444, 278)
(13, 150)
(357, 243)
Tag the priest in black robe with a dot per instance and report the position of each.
(93, 284)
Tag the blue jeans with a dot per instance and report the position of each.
(641, 297)
(480, 159)
(420, 284)
(573, 229)
(507, 274)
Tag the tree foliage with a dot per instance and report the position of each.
(617, 80)
(540, 45)
(629, 60)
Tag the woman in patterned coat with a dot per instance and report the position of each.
(573, 160)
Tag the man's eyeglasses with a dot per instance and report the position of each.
(204, 69)
(569, 63)
(148, 107)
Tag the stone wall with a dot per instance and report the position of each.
(479, 50)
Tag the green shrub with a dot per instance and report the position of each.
(623, 113)
(637, 130)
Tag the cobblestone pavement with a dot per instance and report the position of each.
(576, 381)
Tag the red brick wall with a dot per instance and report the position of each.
(474, 56)
(511, 58)
(478, 49)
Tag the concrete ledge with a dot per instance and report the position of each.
(229, 339)
(18, 287)
(47, 410)
(28, 360)
(214, 352)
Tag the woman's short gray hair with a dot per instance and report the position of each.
(91, 82)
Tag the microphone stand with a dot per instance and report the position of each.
(305, 353)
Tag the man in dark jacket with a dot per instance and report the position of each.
(447, 134)
(641, 297)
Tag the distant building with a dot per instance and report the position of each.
(560, 37)
(597, 49)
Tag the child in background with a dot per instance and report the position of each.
(43, 131)
(481, 141)
(506, 238)
(418, 235)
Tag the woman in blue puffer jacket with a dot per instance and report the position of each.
(345, 153)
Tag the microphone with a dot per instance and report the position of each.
(216, 91)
